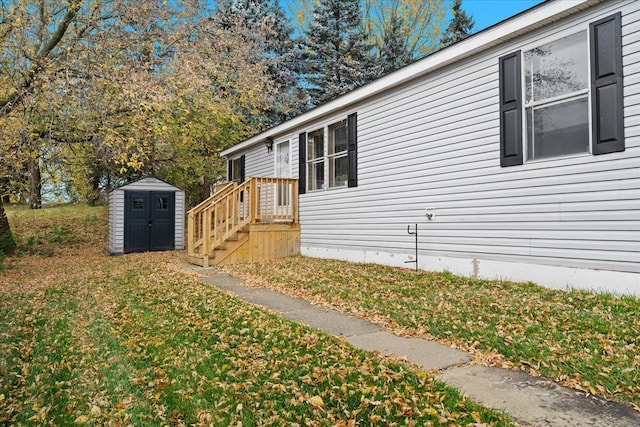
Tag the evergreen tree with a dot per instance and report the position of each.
(402, 31)
(460, 26)
(334, 53)
(266, 16)
(394, 52)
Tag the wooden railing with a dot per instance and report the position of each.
(234, 206)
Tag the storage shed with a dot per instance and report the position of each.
(146, 215)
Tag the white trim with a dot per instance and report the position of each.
(554, 277)
(326, 157)
(535, 17)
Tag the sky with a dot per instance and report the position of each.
(488, 12)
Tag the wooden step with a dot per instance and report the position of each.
(199, 260)
(231, 250)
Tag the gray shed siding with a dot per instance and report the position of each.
(434, 143)
(116, 212)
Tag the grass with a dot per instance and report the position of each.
(590, 342)
(89, 339)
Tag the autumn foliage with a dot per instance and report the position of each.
(92, 339)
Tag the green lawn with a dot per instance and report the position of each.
(90, 339)
(586, 341)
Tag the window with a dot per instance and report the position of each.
(235, 176)
(338, 163)
(162, 203)
(557, 98)
(569, 96)
(329, 154)
(236, 169)
(315, 159)
(138, 203)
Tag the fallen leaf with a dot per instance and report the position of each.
(82, 419)
(317, 402)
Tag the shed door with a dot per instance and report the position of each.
(149, 221)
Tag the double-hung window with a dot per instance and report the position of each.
(315, 159)
(328, 156)
(337, 156)
(563, 97)
(556, 88)
(236, 169)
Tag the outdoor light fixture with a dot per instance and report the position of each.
(269, 144)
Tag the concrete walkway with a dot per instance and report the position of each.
(529, 400)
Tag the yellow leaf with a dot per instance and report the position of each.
(81, 419)
(432, 412)
(316, 401)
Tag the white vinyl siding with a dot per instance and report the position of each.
(433, 143)
(258, 162)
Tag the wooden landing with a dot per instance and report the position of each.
(256, 242)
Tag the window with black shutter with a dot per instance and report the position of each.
(237, 169)
(302, 163)
(606, 85)
(549, 88)
(352, 128)
(510, 110)
(328, 156)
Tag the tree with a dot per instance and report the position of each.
(403, 30)
(132, 87)
(23, 62)
(336, 54)
(264, 24)
(460, 26)
(398, 31)
(394, 51)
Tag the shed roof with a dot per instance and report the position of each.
(522, 23)
(149, 178)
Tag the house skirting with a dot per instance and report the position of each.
(554, 277)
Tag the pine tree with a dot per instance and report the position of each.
(258, 17)
(334, 53)
(402, 31)
(394, 52)
(460, 26)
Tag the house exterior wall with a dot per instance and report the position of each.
(116, 212)
(434, 144)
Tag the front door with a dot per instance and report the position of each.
(149, 221)
(283, 170)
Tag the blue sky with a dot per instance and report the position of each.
(488, 12)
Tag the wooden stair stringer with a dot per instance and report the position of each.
(233, 250)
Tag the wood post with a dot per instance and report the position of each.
(206, 228)
(294, 200)
(253, 194)
(190, 235)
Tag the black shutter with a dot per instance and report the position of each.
(510, 110)
(242, 174)
(606, 85)
(230, 170)
(352, 153)
(302, 163)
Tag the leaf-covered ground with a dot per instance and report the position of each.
(132, 340)
(586, 341)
